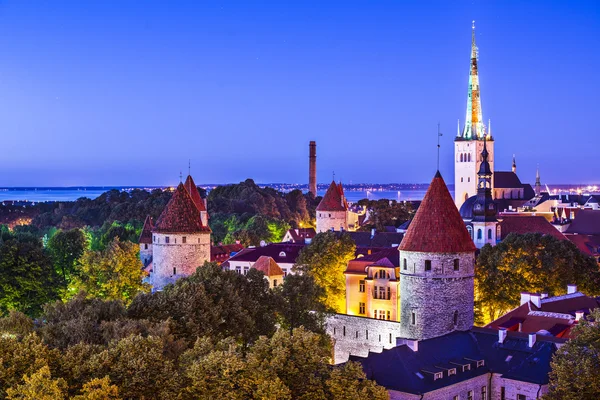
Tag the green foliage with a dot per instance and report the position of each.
(65, 248)
(529, 263)
(575, 371)
(27, 277)
(384, 213)
(300, 303)
(114, 273)
(255, 230)
(326, 259)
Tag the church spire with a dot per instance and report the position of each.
(514, 164)
(538, 183)
(474, 127)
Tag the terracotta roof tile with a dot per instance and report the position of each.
(192, 189)
(334, 199)
(146, 235)
(586, 222)
(437, 226)
(180, 215)
(267, 266)
(528, 224)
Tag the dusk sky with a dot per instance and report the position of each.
(120, 93)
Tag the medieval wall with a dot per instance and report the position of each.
(327, 220)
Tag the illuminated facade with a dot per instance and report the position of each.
(468, 144)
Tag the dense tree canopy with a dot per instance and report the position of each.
(325, 259)
(385, 212)
(529, 263)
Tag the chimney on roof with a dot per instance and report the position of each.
(571, 288)
(532, 338)
(525, 297)
(502, 335)
(579, 315)
(536, 299)
(312, 168)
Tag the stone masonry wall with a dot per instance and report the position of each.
(145, 253)
(434, 296)
(460, 389)
(513, 388)
(326, 220)
(176, 259)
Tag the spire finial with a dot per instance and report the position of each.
(180, 177)
(439, 134)
(189, 166)
(473, 24)
(458, 128)
(489, 127)
(333, 175)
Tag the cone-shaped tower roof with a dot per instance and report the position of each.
(181, 215)
(192, 189)
(334, 199)
(146, 235)
(437, 226)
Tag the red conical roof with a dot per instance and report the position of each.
(146, 235)
(181, 215)
(192, 189)
(437, 226)
(334, 199)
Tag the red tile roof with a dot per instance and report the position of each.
(192, 189)
(223, 252)
(146, 235)
(299, 234)
(528, 224)
(267, 266)
(437, 226)
(586, 222)
(334, 199)
(180, 215)
(587, 244)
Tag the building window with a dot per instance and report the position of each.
(427, 265)
(356, 334)
(382, 292)
(246, 269)
(390, 338)
(344, 331)
(470, 395)
(174, 271)
(238, 270)
(455, 397)
(367, 334)
(484, 393)
(175, 240)
(466, 367)
(154, 238)
(456, 264)
(361, 286)
(521, 397)
(375, 292)
(489, 234)
(480, 363)
(285, 272)
(469, 155)
(387, 315)
(479, 234)
(497, 232)
(274, 282)
(413, 318)
(145, 246)
(361, 308)
(166, 239)
(183, 239)
(502, 393)
(470, 230)
(469, 178)
(404, 264)
(329, 215)
(389, 293)
(452, 371)
(438, 375)
(455, 318)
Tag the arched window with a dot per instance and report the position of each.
(489, 234)
(455, 317)
(461, 157)
(498, 232)
(469, 157)
(470, 230)
(479, 234)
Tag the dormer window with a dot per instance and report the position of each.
(480, 363)
(466, 367)
(438, 375)
(452, 371)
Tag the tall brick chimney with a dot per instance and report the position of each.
(312, 168)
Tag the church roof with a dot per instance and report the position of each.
(506, 180)
(192, 189)
(437, 226)
(267, 266)
(334, 199)
(146, 235)
(181, 215)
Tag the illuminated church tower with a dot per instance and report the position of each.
(468, 144)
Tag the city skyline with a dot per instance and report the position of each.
(106, 95)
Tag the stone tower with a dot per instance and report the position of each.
(180, 241)
(192, 189)
(332, 211)
(312, 168)
(437, 265)
(146, 242)
(468, 144)
(485, 208)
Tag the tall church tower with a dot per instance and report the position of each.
(485, 208)
(437, 267)
(468, 144)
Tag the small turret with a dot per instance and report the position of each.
(514, 164)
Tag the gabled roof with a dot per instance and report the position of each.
(180, 215)
(282, 253)
(300, 234)
(334, 199)
(506, 180)
(267, 266)
(587, 244)
(586, 222)
(192, 189)
(437, 226)
(146, 235)
(528, 224)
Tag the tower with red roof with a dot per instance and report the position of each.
(437, 265)
(180, 238)
(145, 242)
(332, 211)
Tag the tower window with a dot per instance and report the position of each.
(344, 331)
(462, 179)
(461, 158)
(183, 239)
(455, 318)
(479, 234)
(456, 264)
(413, 318)
(145, 246)
(489, 234)
(174, 271)
(427, 265)
(469, 179)
(361, 286)
(166, 239)
(404, 264)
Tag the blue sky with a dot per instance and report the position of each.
(125, 92)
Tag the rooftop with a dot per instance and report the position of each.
(180, 215)
(334, 199)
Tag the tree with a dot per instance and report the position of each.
(99, 389)
(113, 274)
(27, 278)
(533, 263)
(575, 373)
(38, 386)
(66, 247)
(349, 382)
(326, 259)
(384, 213)
(299, 303)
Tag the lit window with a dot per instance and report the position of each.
(470, 395)
(274, 282)
(427, 265)
(438, 375)
(361, 308)
(484, 393)
(361, 286)
(452, 371)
